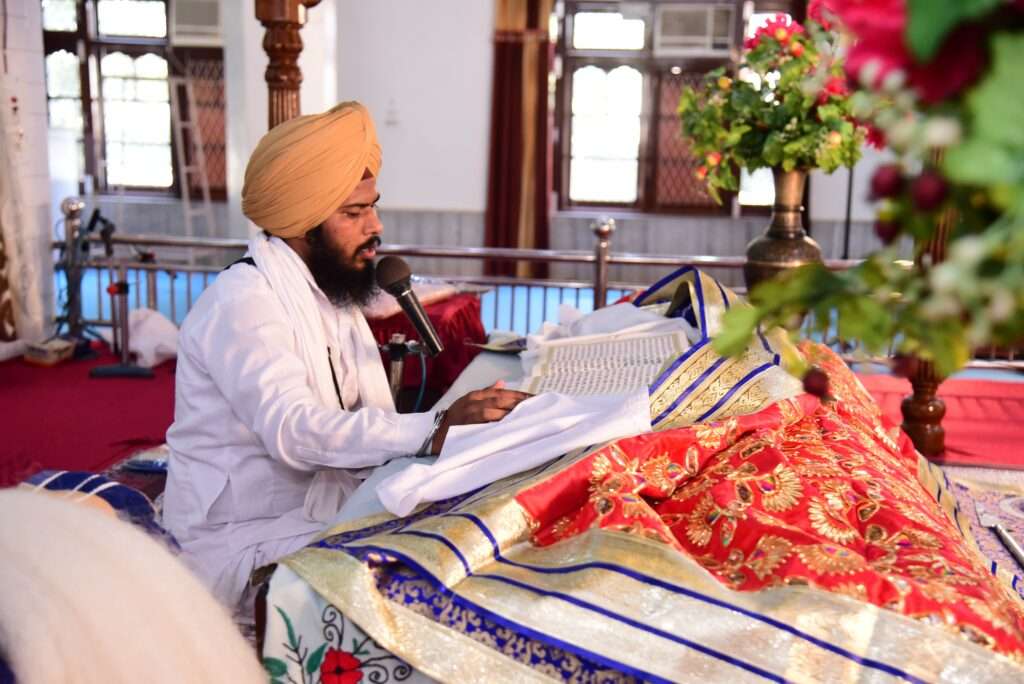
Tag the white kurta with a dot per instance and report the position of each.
(251, 430)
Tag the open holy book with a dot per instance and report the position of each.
(603, 364)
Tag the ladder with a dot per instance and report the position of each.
(187, 132)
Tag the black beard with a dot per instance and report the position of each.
(338, 279)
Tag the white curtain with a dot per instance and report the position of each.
(24, 227)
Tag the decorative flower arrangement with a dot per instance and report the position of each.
(788, 106)
(941, 83)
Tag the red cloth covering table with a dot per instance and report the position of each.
(457, 320)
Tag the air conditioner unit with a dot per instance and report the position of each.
(196, 23)
(693, 30)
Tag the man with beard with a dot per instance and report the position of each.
(282, 406)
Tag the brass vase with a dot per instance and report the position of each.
(784, 245)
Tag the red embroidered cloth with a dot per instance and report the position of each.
(457, 320)
(825, 494)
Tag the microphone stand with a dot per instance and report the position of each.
(119, 309)
(397, 348)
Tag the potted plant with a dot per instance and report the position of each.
(786, 107)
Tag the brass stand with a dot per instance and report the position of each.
(785, 244)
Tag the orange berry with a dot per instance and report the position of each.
(701, 172)
(714, 158)
(796, 49)
(724, 82)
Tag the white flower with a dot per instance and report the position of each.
(1002, 305)
(968, 250)
(940, 307)
(893, 80)
(944, 278)
(901, 134)
(869, 73)
(942, 131)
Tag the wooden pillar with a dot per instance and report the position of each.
(923, 410)
(283, 44)
(7, 330)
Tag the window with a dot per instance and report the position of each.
(108, 65)
(622, 68)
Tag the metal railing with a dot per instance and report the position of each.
(511, 303)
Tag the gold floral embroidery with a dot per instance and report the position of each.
(781, 490)
(769, 553)
(710, 436)
(661, 473)
(987, 613)
(937, 591)
(599, 469)
(692, 462)
(852, 589)
(830, 559)
(698, 524)
(639, 530)
(830, 524)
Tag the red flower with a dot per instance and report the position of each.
(340, 667)
(821, 12)
(875, 136)
(779, 28)
(959, 63)
(835, 85)
(880, 27)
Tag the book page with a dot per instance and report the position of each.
(609, 366)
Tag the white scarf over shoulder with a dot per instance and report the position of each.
(292, 283)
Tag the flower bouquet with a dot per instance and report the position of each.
(788, 109)
(941, 83)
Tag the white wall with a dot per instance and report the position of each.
(828, 191)
(25, 80)
(424, 69)
(246, 90)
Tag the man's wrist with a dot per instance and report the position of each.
(430, 444)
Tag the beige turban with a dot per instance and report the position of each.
(305, 168)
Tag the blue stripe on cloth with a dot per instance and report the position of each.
(735, 388)
(721, 291)
(639, 300)
(437, 537)
(699, 289)
(592, 607)
(636, 624)
(764, 340)
(510, 624)
(675, 364)
(685, 393)
(674, 588)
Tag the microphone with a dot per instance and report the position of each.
(394, 277)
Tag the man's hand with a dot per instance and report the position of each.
(482, 406)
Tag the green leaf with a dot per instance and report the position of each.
(275, 667)
(292, 641)
(738, 325)
(929, 22)
(996, 104)
(315, 658)
(982, 162)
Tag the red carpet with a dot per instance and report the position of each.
(61, 418)
(984, 418)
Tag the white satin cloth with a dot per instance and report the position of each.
(262, 453)
(536, 431)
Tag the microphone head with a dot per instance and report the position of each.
(392, 274)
